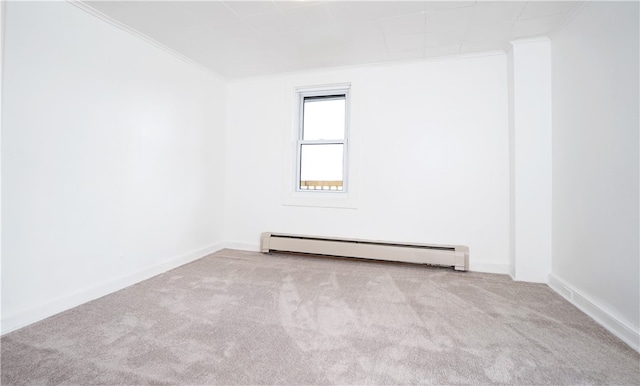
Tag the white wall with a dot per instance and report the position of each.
(512, 169)
(596, 256)
(530, 159)
(430, 140)
(112, 160)
(2, 6)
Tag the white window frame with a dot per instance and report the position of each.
(323, 91)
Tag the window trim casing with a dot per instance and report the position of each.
(301, 94)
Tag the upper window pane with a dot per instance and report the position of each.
(323, 118)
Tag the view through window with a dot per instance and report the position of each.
(322, 141)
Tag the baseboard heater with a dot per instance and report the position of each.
(456, 256)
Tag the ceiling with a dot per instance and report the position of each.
(247, 38)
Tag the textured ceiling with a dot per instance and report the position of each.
(246, 38)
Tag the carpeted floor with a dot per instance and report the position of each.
(246, 318)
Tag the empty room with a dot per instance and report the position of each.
(320, 192)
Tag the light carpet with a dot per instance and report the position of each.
(246, 318)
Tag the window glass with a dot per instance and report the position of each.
(324, 118)
(322, 140)
(321, 166)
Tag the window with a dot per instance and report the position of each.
(322, 140)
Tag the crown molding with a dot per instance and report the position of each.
(570, 17)
(535, 39)
(85, 6)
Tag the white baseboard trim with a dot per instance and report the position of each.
(617, 325)
(65, 302)
(486, 267)
(250, 247)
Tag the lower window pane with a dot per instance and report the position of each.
(321, 167)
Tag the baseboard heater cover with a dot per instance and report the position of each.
(456, 256)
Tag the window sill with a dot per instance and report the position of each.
(320, 199)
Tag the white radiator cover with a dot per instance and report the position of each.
(456, 256)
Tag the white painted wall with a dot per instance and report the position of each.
(596, 252)
(2, 6)
(512, 165)
(430, 140)
(112, 160)
(530, 141)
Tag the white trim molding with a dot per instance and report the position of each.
(86, 6)
(488, 267)
(291, 196)
(249, 247)
(616, 324)
(572, 14)
(65, 302)
(2, 25)
(535, 39)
